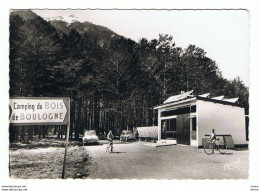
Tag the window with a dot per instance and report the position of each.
(194, 124)
(194, 128)
(171, 125)
(168, 130)
(179, 111)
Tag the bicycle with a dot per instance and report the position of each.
(218, 145)
(110, 148)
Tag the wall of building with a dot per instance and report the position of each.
(225, 119)
(194, 142)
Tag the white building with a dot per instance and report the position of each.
(187, 119)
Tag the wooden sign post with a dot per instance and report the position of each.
(66, 146)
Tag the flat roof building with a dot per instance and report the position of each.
(187, 119)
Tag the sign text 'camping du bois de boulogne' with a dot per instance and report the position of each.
(39, 111)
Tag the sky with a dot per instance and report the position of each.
(223, 34)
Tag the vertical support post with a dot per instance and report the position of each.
(67, 138)
(159, 125)
(190, 125)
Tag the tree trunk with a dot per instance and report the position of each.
(31, 130)
(39, 132)
(78, 127)
(96, 114)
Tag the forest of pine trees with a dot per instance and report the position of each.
(112, 86)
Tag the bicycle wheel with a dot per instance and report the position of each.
(108, 149)
(208, 148)
(222, 147)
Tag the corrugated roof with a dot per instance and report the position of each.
(204, 95)
(188, 95)
(218, 98)
(178, 97)
(232, 100)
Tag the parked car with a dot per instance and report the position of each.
(126, 136)
(102, 136)
(90, 136)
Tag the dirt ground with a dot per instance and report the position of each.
(44, 160)
(138, 160)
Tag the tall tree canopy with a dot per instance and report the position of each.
(113, 84)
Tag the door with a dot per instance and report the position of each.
(183, 129)
(171, 129)
(168, 130)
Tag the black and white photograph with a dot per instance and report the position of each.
(129, 94)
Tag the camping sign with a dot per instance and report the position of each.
(38, 111)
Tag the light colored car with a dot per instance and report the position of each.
(90, 137)
(126, 136)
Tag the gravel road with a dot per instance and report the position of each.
(140, 160)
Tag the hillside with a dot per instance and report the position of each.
(96, 33)
(25, 14)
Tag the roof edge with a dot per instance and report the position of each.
(177, 102)
(198, 98)
(219, 101)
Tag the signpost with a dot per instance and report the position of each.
(41, 111)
